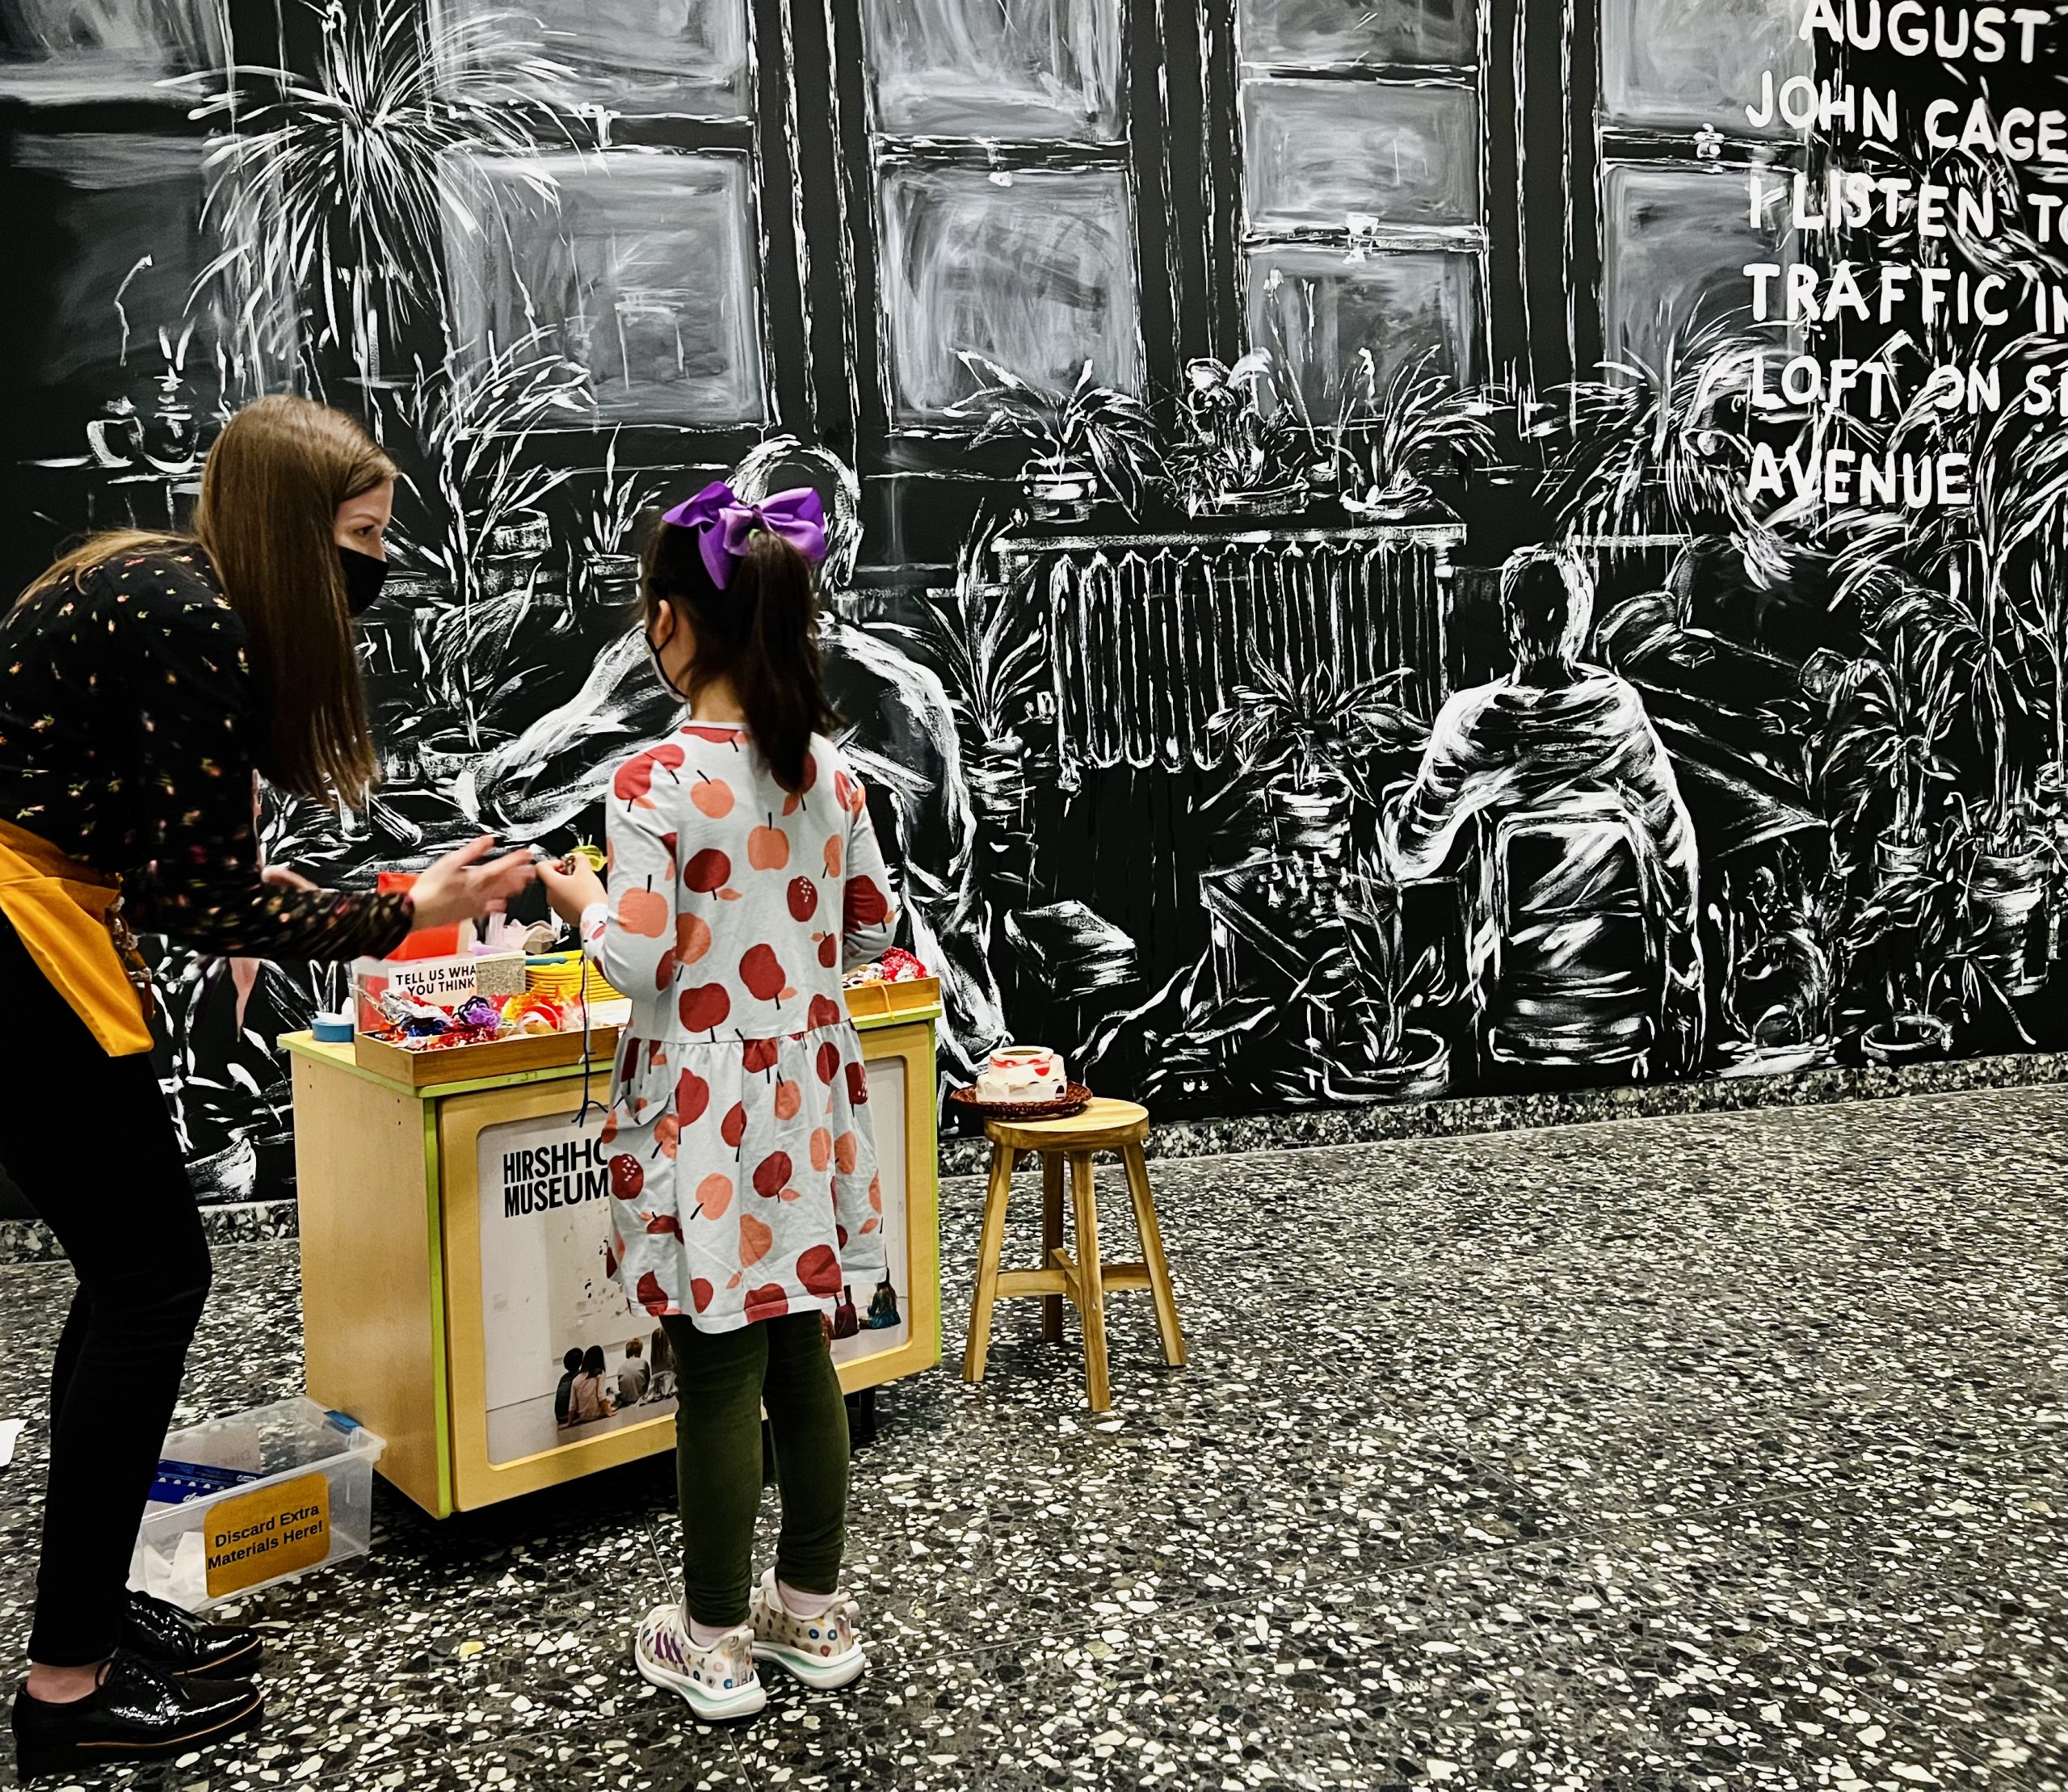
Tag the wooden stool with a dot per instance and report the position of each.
(1104, 1126)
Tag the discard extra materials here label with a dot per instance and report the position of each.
(259, 1536)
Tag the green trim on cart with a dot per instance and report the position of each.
(441, 1379)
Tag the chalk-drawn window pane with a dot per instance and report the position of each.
(129, 321)
(1315, 34)
(1681, 65)
(639, 270)
(1317, 153)
(77, 51)
(1035, 270)
(1676, 241)
(1006, 68)
(687, 58)
(1316, 308)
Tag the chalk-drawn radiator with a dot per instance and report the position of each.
(1151, 636)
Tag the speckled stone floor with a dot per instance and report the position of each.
(1720, 1452)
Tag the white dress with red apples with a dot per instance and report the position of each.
(743, 1177)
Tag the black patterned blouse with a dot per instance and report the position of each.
(127, 716)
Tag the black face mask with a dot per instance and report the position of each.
(365, 576)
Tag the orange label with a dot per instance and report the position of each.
(255, 1537)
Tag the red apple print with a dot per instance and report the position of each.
(656, 1053)
(627, 1178)
(755, 1239)
(833, 857)
(846, 1150)
(875, 1192)
(824, 1011)
(667, 1135)
(662, 1224)
(699, 1291)
(643, 912)
(811, 772)
(609, 1134)
(665, 968)
(652, 1295)
(634, 778)
(705, 1008)
(734, 1128)
(758, 1054)
(828, 950)
(821, 1147)
(761, 971)
(768, 848)
(804, 898)
(712, 796)
(789, 1099)
(843, 786)
(772, 1173)
(708, 870)
(858, 1086)
(829, 1060)
(863, 903)
(692, 1096)
(819, 1270)
(692, 938)
(714, 1195)
(768, 1303)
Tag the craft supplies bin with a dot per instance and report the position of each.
(310, 1505)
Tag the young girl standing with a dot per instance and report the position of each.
(745, 877)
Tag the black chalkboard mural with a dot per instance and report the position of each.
(1379, 550)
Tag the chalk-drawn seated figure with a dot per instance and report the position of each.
(1584, 948)
(901, 737)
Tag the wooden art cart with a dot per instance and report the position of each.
(455, 1296)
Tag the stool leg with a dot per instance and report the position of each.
(1091, 1279)
(988, 1250)
(1152, 1252)
(1052, 1240)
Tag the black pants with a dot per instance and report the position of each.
(87, 1139)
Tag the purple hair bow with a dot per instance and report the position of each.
(725, 521)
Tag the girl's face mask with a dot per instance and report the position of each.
(654, 652)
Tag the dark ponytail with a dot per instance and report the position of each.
(760, 634)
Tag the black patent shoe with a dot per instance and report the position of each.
(137, 1713)
(176, 1643)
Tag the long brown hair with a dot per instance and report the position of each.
(270, 492)
(760, 634)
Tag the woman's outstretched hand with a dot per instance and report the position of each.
(466, 885)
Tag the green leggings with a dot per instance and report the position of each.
(723, 1381)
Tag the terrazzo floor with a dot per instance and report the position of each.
(1712, 1452)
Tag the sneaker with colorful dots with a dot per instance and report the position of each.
(718, 1682)
(821, 1651)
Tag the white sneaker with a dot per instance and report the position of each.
(718, 1682)
(821, 1651)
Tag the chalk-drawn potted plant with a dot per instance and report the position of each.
(1232, 455)
(606, 573)
(333, 195)
(987, 646)
(1088, 442)
(1666, 448)
(1377, 1056)
(476, 422)
(1306, 743)
(1391, 437)
(1879, 752)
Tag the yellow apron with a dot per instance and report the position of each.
(69, 916)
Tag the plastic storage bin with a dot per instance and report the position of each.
(310, 1502)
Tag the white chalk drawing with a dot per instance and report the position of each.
(69, 52)
(1179, 396)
